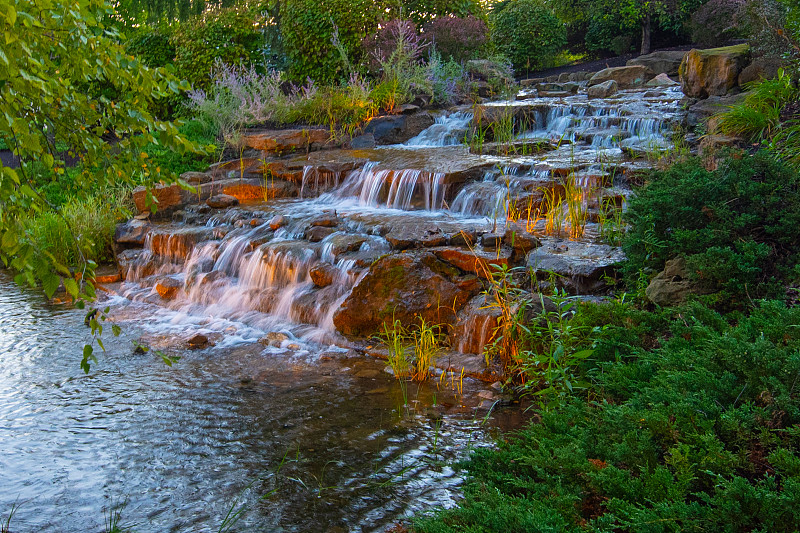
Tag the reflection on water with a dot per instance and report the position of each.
(302, 445)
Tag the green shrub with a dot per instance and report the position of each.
(528, 33)
(691, 426)
(153, 48)
(307, 30)
(229, 35)
(738, 227)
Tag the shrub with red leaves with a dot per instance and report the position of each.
(459, 38)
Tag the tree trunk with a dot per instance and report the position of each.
(646, 29)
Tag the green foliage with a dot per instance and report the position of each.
(758, 116)
(692, 427)
(227, 35)
(738, 227)
(421, 12)
(528, 33)
(45, 105)
(153, 48)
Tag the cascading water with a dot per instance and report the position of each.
(447, 130)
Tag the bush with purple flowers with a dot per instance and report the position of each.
(458, 38)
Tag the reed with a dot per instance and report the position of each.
(426, 349)
(576, 198)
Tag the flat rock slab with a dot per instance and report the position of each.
(479, 262)
(578, 265)
(287, 141)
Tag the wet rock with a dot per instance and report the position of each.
(294, 347)
(325, 221)
(476, 327)
(602, 90)
(580, 266)
(762, 68)
(672, 285)
(491, 241)
(318, 233)
(222, 201)
(341, 243)
(433, 239)
(465, 237)
(401, 286)
(195, 178)
(322, 274)
(135, 263)
(626, 77)
(132, 232)
(197, 341)
(277, 222)
(518, 238)
(662, 62)
(287, 141)
(397, 129)
(363, 142)
(713, 72)
(473, 261)
(662, 80)
(168, 288)
(519, 147)
(274, 339)
(406, 109)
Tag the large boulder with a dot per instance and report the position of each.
(762, 68)
(626, 77)
(713, 72)
(663, 62)
(672, 285)
(603, 90)
(402, 287)
(397, 129)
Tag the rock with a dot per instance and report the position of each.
(363, 142)
(531, 82)
(626, 77)
(491, 241)
(581, 75)
(465, 237)
(702, 110)
(322, 274)
(195, 178)
(406, 109)
(294, 347)
(287, 141)
(481, 89)
(672, 285)
(602, 90)
(168, 288)
(578, 265)
(762, 68)
(277, 222)
(274, 339)
(473, 261)
(341, 243)
(518, 238)
(662, 62)
(132, 232)
(197, 341)
(711, 147)
(317, 233)
(397, 129)
(222, 201)
(325, 221)
(477, 325)
(662, 80)
(713, 72)
(135, 263)
(402, 287)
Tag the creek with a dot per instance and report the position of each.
(273, 409)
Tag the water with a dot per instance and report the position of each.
(303, 445)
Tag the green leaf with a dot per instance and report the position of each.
(71, 286)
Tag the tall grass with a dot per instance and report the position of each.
(82, 229)
(758, 116)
